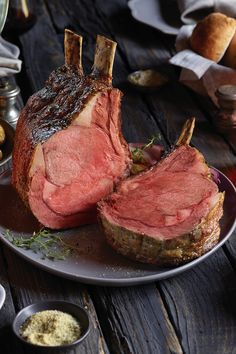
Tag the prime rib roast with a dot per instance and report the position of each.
(69, 150)
(169, 214)
(70, 154)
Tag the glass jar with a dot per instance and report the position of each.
(226, 117)
(8, 95)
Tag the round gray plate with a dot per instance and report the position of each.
(94, 262)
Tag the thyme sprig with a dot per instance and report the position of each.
(137, 153)
(44, 242)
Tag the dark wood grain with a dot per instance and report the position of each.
(8, 343)
(202, 306)
(230, 250)
(137, 320)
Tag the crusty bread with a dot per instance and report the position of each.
(212, 35)
(229, 58)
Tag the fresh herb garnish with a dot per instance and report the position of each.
(137, 153)
(46, 243)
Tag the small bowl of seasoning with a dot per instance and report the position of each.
(147, 80)
(58, 326)
(7, 134)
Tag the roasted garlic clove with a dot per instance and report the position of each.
(2, 135)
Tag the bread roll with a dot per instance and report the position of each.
(212, 35)
(229, 58)
(2, 135)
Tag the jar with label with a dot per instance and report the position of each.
(226, 117)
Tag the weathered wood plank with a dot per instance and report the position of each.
(30, 285)
(137, 320)
(8, 343)
(230, 249)
(201, 303)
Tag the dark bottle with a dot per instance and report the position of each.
(21, 16)
(226, 118)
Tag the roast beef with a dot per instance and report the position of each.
(168, 214)
(69, 150)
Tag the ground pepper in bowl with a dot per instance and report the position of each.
(50, 328)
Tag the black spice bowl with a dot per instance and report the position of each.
(76, 311)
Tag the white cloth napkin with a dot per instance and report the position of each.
(9, 62)
(169, 15)
(194, 10)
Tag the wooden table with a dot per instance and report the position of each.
(191, 313)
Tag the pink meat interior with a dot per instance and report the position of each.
(167, 201)
(79, 165)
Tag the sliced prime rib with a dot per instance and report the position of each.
(69, 150)
(169, 214)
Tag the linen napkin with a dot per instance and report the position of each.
(9, 62)
(169, 15)
(194, 10)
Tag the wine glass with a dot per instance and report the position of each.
(3, 13)
(21, 16)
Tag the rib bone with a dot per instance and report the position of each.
(73, 49)
(104, 58)
(186, 133)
